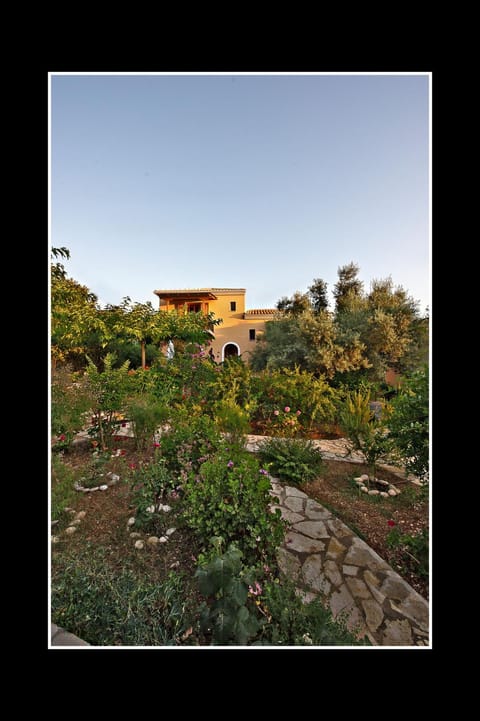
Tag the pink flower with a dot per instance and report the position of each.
(124, 425)
(391, 523)
(287, 409)
(131, 465)
(230, 464)
(156, 445)
(62, 437)
(298, 413)
(257, 591)
(275, 413)
(123, 452)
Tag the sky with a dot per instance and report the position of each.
(263, 182)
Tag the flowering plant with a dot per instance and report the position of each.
(284, 423)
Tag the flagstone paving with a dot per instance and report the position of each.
(323, 556)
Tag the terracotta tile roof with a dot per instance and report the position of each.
(261, 311)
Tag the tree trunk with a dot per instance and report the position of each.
(142, 343)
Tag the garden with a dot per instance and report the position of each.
(162, 531)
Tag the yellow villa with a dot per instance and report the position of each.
(240, 328)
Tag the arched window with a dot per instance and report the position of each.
(230, 350)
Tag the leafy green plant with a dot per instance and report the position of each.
(224, 581)
(62, 491)
(294, 460)
(69, 405)
(151, 483)
(189, 441)
(290, 622)
(230, 498)
(146, 414)
(108, 389)
(414, 548)
(365, 432)
(232, 420)
(409, 424)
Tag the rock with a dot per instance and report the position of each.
(169, 531)
(311, 571)
(153, 540)
(175, 564)
(77, 486)
(150, 509)
(76, 522)
(53, 523)
(359, 480)
(139, 545)
(113, 478)
(163, 539)
(81, 515)
(364, 489)
(288, 564)
(384, 494)
(67, 509)
(397, 633)
(291, 491)
(332, 573)
(373, 583)
(302, 544)
(350, 570)
(315, 512)
(395, 587)
(70, 530)
(290, 516)
(391, 492)
(364, 477)
(373, 614)
(373, 493)
(164, 508)
(93, 489)
(335, 549)
(314, 529)
(134, 534)
(357, 588)
(104, 487)
(131, 521)
(381, 483)
(339, 529)
(359, 554)
(415, 608)
(54, 539)
(341, 600)
(294, 503)
(306, 596)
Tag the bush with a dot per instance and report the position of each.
(293, 460)
(69, 406)
(108, 389)
(414, 549)
(290, 622)
(150, 484)
(190, 440)
(365, 432)
(232, 420)
(146, 414)
(62, 490)
(117, 607)
(224, 581)
(409, 424)
(230, 498)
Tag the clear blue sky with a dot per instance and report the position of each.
(259, 182)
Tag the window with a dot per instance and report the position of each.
(233, 305)
(194, 307)
(251, 333)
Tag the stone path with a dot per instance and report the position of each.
(323, 556)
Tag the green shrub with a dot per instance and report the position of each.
(365, 432)
(70, 404)
(146, 414)
(414, 549)
(151, 483)
(230, 498)
(226, 614)
(108, 390)
(117, 607)
(190, 440)
(293, 460)
(232, 420)
(290, 622)
(62, 491)
(409, 424)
